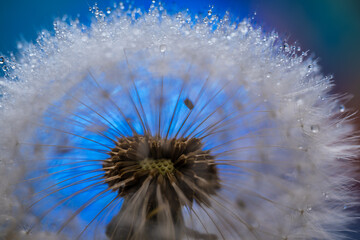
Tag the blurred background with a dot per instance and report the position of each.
(329, 29)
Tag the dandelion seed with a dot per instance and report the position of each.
(141, 127)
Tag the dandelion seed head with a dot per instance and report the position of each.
(146, 125)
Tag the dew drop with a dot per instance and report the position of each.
(90, 9)
(188, 103)
(2, 60)
(5, 68)
(108, 10)
(286, 47)
(315, 128)
(300, 102)
(162, 48)
(84, 38)
(226, 16)
(341, 108)
(326, 195)
(243, 28)
(209, 12)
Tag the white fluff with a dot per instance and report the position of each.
(299, 187)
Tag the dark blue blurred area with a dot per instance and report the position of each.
(328, 28)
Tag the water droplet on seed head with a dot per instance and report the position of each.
(341, 108)
(162, 48)
(315, 128)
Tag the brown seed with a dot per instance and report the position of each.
(188, 103)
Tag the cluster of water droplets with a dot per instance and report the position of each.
(7, 65)
(210, 20)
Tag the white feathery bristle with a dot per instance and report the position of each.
(284, 163)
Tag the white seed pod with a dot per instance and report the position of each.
(154, 126)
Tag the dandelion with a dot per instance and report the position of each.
(146, 125)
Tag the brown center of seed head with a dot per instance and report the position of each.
(179, 166)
